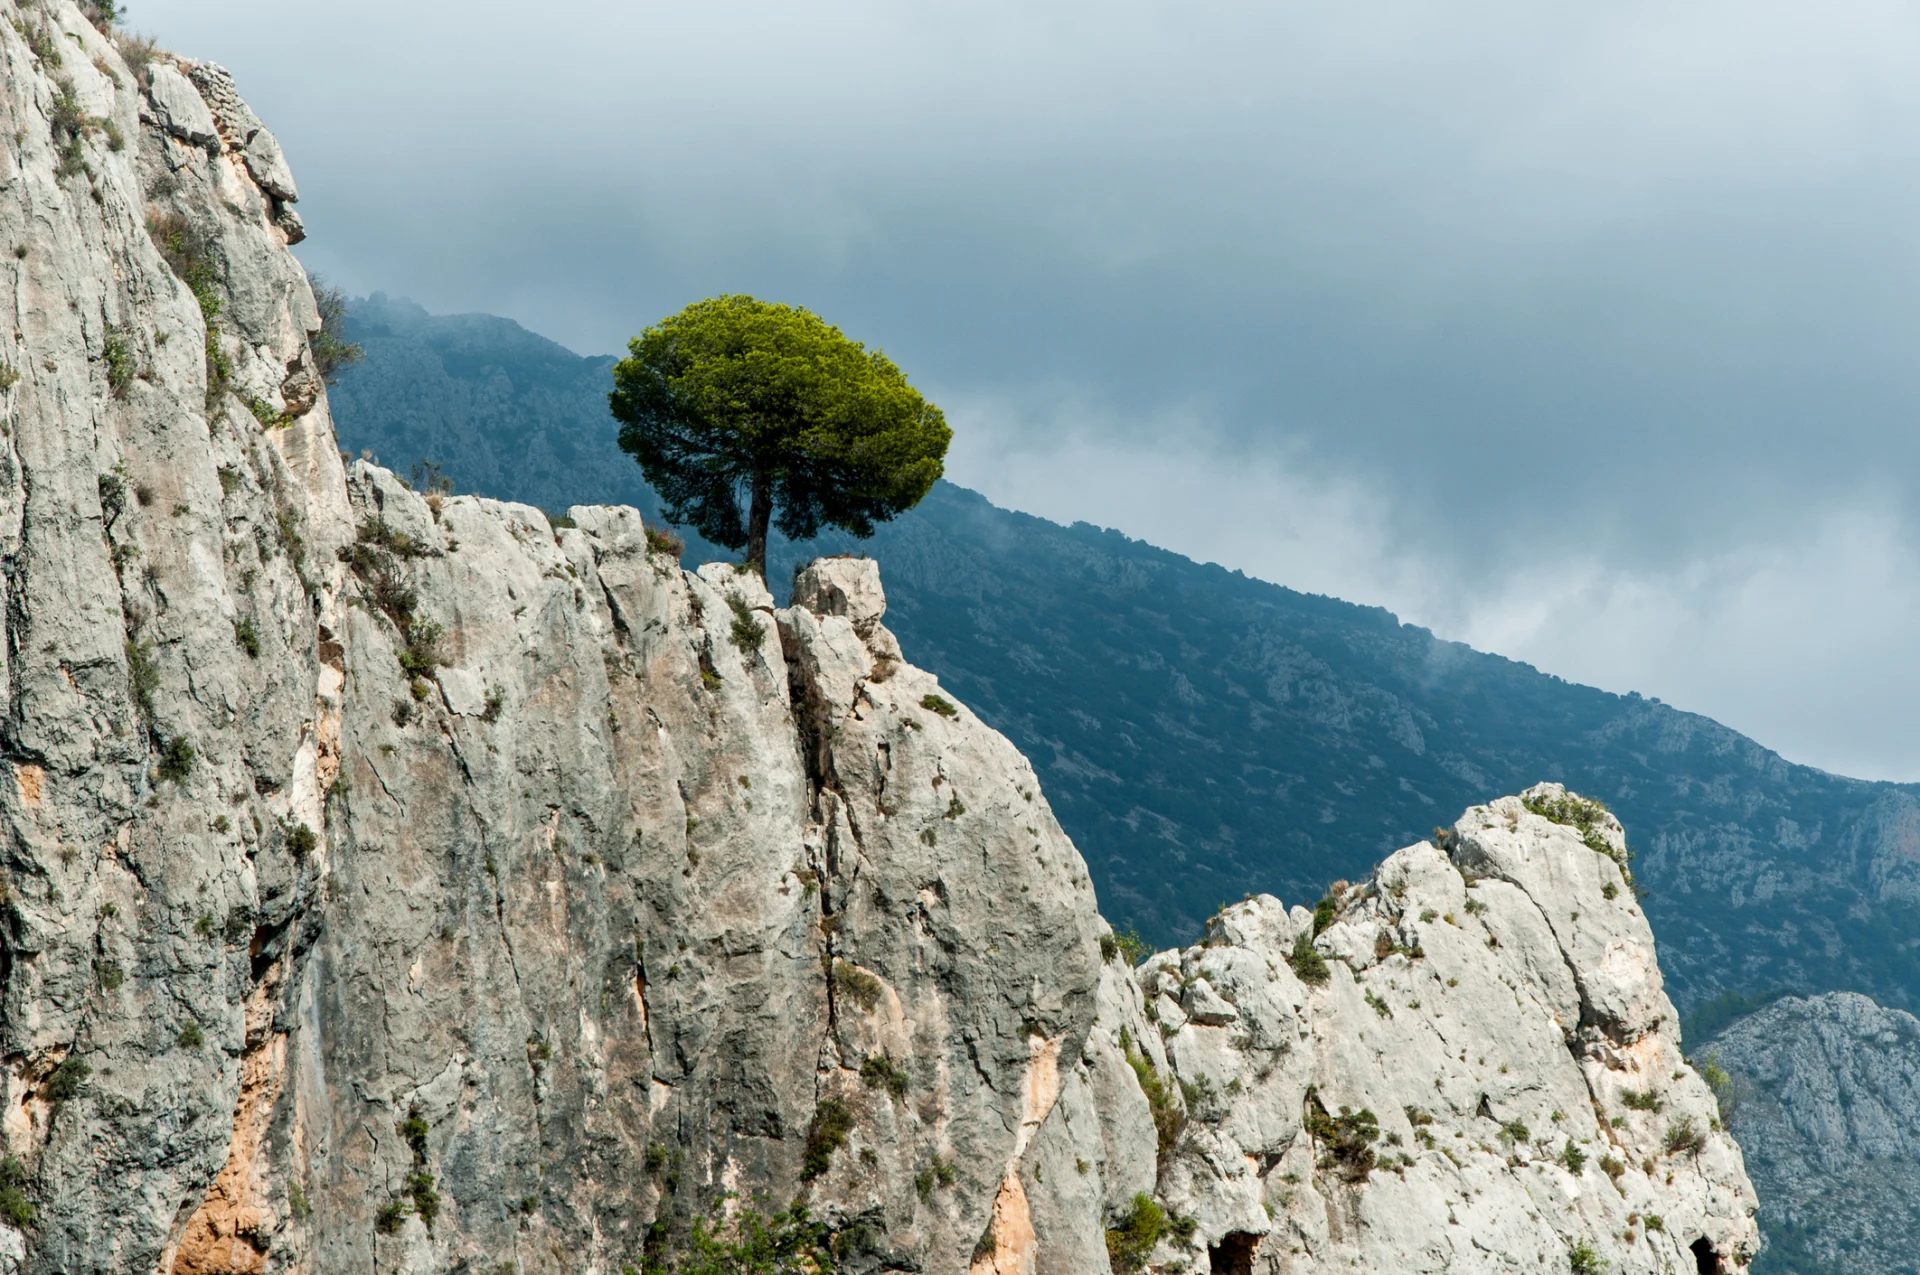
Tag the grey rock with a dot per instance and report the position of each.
(848, 587)
(178, 107)
(1206, 1006)
(1824, 1095)
(268, 167)
(1481, 1084)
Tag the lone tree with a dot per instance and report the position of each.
(735, 396)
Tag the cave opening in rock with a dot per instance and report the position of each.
(1705, 1260)
(1233, 1255)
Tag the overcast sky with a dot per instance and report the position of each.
(1583, 333)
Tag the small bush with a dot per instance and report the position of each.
(429, 478)
(291, 541)
(110, 974)
(832, 1122)
(1130, 945)
(1169, 1118)
(71, 126)
(143, 678)
(1573, 1157)
(421, 655)
(264, 412)
(1582, 1260)
(752, 1243)
(662, 540)
(426, 1200)
(301, 840)
(496, 700)
(1683, 1136)
(391, 1217)
(297, 1203)
(1638, 1101)
(14, 1206)
(1130, 1243)
(191, 1037)
(880, 1072)
(1308, 965)
(747, 632)
(40, 41)
(934, 704)
(857, 985)
(1348, 1138)
(1325, 912)
(332, 352)
(378, 533)
(1729, 1091)
(67, 1080)
(189, 253)
(176, 759)
(246, 637)
(119, 359)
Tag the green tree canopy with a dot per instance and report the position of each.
(734, 396)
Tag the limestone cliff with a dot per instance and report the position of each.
(1824, 1094)
(401, 881)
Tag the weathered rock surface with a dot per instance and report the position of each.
(1825, 1097)
(398, 881)
(1481, 1073)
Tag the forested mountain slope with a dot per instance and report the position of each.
(1203, 734)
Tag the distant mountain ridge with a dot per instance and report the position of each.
(1202, 734)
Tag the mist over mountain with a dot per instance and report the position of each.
(1203, 734)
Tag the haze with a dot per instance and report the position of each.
(1583, 334)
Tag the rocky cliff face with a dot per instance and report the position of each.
(1466, 1063)
(1825, 1095)
(406, 882)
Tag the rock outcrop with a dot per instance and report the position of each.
(402, 881)
(1824, 1095)
(1466, 1063)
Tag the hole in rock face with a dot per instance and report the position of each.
(1705, 1260)
(1233, 1255)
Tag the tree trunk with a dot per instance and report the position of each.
(759, 514)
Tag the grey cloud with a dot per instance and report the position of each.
(1629, 286)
